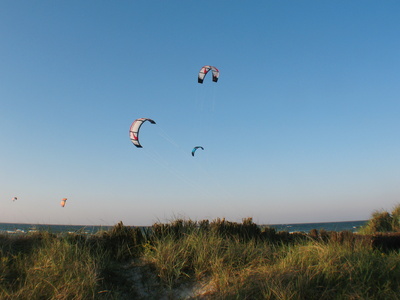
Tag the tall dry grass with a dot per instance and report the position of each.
(51, 268)
(48, 266)
(234, 266)
(383, 221)
(227, 260)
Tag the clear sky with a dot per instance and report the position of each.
(302, 126)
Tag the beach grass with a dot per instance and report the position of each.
(42, 266)
(383, 221)
(334, 266)
(186, 259)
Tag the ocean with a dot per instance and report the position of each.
(352, 226)
(14, 228)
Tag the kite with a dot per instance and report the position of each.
(63, 202)
(134, 130)
(204, 70)
(15, 198)
(195, 148)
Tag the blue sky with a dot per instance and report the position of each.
(303, 125)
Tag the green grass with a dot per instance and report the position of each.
(50, 268)
(383, 221)
(258, 269)
(213, 260)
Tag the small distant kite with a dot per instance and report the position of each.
(134, 130)
(15, 199)
(203, 72)
(195, 148)
(62, 203)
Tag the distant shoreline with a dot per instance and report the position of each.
(21, 228)
(87, 225)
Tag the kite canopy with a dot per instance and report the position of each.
(204, 70)
(15, 198)
(195, 148)
(62, 203)
(134, 130)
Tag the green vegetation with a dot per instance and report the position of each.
(187, 259)
(383, 221)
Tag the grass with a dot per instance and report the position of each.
(200, 260)
(48, 268)
(333, 268)
(383, 221)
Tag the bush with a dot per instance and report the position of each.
(383, 221)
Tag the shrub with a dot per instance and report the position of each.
(396, 218)
(122, 242)
(381, 221)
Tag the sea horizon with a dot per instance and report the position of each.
(91, 229)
